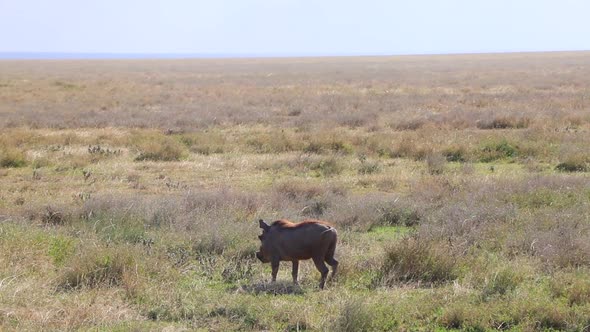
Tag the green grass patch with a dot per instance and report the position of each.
(386, 234)
(543, 197)
(497, 150)
(60, 248)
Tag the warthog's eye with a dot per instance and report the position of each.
(261, 237)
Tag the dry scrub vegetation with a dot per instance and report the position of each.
(130, 191)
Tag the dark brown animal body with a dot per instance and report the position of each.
(287, 241)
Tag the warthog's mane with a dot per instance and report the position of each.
(284, 223)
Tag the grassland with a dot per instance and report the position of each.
(130, 192)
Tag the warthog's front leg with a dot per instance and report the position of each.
(295, 271)
(275, 268)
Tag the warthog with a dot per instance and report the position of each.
(287, 241)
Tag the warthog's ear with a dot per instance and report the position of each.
(263, 225)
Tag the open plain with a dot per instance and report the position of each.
(130, 192)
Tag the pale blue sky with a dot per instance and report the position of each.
(293, 27)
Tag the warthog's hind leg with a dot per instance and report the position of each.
(334, 264)
(319, 264)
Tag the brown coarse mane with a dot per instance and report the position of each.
(284, 223)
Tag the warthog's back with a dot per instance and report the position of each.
(302, 240)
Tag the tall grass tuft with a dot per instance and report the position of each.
(354, 316)
(99, 267)
(575, 163)
(159, 148)
(413, 260)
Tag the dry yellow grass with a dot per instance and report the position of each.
(130, 191)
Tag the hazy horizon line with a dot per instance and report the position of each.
(17, 55)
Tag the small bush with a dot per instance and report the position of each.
(241, 314)
(369, 167)
(327, 146)
(435, 164)
(51, 214)
(271, 143)
(414, 260)
(461, 318)
(122, 230)
(97, 267)
(12, 158)
(398, 216)
(575, 287)
(315, 209)
(354, 316)
(501, 282)
(327, 167)
(453, 318)
(411, 124)
(238, 269)
(60, 249)
(455, 154)
(574, 164)
(543, 197)
(298, 190)
(160, 148)
(497, 151)
(504, 122)
(410, 148)
(551, 318)
(205, 143)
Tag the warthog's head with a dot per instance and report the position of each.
(264, 253)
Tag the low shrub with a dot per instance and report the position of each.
(298, 190)
(414, 260)
(61, 248)
(271, 143)
(575, 287)
(543, 197)
(410, 148)
(54, 215)
(398, 216)
(455, 317)
(504, 122)
(550, 318)
(159, 148)
(327, 167)
(354, 316)
(368, 167)
(98, 267)
(497, 150)
(577, 163)
(12, 158)
(435, 163)
(501, 282)
(328, 146)
(205, 143)
(122, 230)
(455, 154)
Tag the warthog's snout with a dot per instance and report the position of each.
(261, 257)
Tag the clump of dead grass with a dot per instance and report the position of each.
(416, 260)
